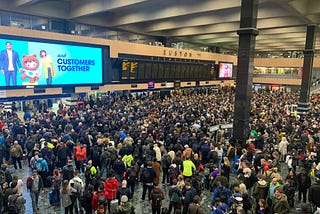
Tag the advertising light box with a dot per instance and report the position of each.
(31, 63)
(225, 70)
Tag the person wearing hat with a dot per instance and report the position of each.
(125, 207)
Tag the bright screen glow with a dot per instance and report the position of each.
(29, 63)
(225, 70)
(150, 84)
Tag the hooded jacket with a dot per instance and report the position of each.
(260, 190)
(111, 187)
(281, 205)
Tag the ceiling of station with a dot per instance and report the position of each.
(282, 24)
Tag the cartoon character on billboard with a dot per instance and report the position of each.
(30, 64)
(46, 66)
(10, 64)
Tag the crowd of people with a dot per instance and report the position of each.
(92, 157)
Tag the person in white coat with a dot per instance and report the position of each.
(283, 148)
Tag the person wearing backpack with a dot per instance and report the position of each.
(68, 171)
(157, 195)
(16, 203)
(35, 186)
(41, 166)
(221, 192)
(175, 196)
(77, 183)
(131, 177)
(56, 185)
(165, 164)
(188, 196)
(147, 177)
(99, 198)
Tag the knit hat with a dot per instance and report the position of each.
(124, 198)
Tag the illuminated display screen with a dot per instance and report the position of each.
(33, 63)
(225, 70)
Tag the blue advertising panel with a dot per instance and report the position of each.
(25, 62)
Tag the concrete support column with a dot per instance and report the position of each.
(247, 39)
(304, 105)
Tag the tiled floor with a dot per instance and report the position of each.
(140, 207)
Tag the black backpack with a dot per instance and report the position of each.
(222, 194)
(147, 176)
(12, 207)
(132, 175)
(166, 161)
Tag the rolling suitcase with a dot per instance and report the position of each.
(52, 198)
(114, 205)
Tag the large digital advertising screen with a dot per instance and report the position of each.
(225, 70)
(25, 62)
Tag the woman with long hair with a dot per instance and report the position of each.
(66, 197)
(46, 66)
(247, 204)
(226, 167)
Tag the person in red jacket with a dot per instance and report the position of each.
(80, 154)
(111, 187)
(99, 198)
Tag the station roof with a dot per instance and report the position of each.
(282, 24)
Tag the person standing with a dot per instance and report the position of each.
(46, 66)
(147, 177)
(188, 196)
(304, 182)
(10, 63)
(314, 191)
(157, 195)
(195, 208)
(188, 168)
(17, 202)
(16, 154)
(35, 186)
(279, 202)
(66, 194)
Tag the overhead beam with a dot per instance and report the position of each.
(170, 10)
(86, 8)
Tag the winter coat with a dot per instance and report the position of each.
(111, 187)
(283, 146)
(16, 151)
(280, 206)
(260, 190)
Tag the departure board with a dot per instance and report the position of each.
(153, 70)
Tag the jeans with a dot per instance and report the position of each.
(34, 198)
(49, 79)
(11, 75)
